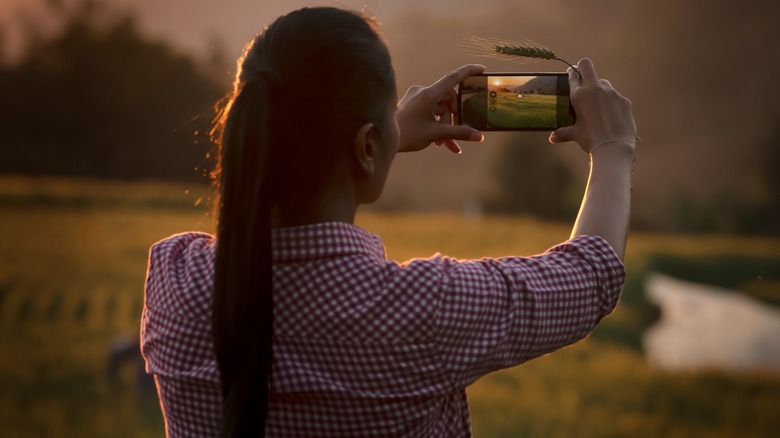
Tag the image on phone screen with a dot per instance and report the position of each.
(516, 102)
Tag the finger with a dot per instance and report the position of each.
(458, 132)
(446, 117)
(575, 79)
(561, 135)
(449, 101)
(587, 71)
(606, 82)
(453, 146)
(447, 95)
(441, 109)
(453, 78)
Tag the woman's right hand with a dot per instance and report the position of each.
(603, 115)
(425, 114)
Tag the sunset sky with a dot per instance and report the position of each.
(192, 23)
(498, 81)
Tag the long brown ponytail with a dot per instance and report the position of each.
(261, 139)
(243, 263)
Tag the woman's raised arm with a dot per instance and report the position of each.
(605, 129)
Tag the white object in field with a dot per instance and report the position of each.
(519, 95)
(706, 327)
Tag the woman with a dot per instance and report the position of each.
(362, 346)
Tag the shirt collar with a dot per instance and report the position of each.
(326, 239)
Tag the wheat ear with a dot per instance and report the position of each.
(525, 50)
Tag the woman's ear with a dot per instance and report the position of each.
(365, 149)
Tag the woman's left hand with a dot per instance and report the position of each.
(425, 114)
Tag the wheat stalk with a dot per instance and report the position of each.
(523, 50)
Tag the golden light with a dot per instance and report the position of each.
(497, 82)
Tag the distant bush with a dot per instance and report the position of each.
(755, 276)
(723, 270)
(530, 179)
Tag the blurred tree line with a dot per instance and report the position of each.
(531, 179)
(534, 180)
(100, 100)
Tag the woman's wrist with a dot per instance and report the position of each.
(613, 143)
(613, 148)
(613, 156)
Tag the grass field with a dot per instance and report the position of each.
(72, 266)
(528, 111)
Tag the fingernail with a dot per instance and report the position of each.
(553, 138)
(476, 136)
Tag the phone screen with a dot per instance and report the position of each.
(515, 101)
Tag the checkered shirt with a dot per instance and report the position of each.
(365, 346)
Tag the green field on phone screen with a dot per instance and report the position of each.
(527, 110)
(514, 110)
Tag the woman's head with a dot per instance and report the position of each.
(328, 74)
(311, 114)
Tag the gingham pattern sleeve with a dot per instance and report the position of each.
(497, 313)
(176, 334)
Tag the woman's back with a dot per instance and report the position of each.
(364, 346)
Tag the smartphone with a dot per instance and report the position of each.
(515, 102)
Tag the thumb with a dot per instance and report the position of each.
(561, 135)
(458, 132)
